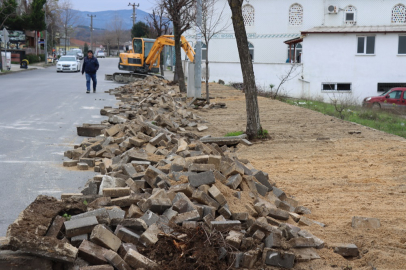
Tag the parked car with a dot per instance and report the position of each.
(100, 54)
(391, 99)
(79, 53)
(68, 63)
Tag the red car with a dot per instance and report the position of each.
(392, 99)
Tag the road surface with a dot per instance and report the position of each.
(40, 110)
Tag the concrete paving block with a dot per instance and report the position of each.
(128, 236)
(92, 252)
(234, 238)
(80, 226)
(234, 181)
(82, 166)
(225, 212)
(250, 258)
(134, 212)
(139, 261)
(220, 177)
(187, 189)
(101, 214)
(56, 227)
(116, 213)
(187, 216)
(203, 198)
(89, 161)
(114, 259)
(76, 241)
(346, 250)
(258, 235)
(319, 243)
(70, 163)
(125, 247)
(234, 258)
(263, 179)
(279, 214)
(116, 192)
(301, 242)
(135, 224)
(190, 224)
(305, 254)
(150, 218)
(240, 216)
(273, 240)
(150, 236)
(302, 210)
(204, 178)
(365, 223)
(201, 168)
(103, 237)
(279, 258)
(226, 225)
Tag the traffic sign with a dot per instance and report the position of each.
(5, 36)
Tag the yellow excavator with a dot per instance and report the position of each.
(144, 58)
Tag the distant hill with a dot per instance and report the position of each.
(104, 18)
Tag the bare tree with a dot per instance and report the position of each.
(181, 13)
(108, 39)
(116, 27)
(6, 11)
(160, 26)
(69, 18)
(253, 129)
(289, 75)
(213, 22)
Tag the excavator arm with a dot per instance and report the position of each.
(160, 43)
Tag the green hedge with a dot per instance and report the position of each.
(32, 58)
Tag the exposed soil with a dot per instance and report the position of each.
(336, 174)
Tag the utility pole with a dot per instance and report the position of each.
(91, 30)
(46, 36)
(198, 56)
(134, 11)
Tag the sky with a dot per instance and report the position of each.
(103, 5)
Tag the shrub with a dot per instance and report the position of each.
(221, 82)
(32, 58)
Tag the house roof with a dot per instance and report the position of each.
(294, 40)
(356, 29)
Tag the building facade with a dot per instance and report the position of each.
(326, 57)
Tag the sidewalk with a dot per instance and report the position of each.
(16, 68)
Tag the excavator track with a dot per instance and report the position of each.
(125, 77)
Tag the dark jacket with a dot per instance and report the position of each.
(90, 65)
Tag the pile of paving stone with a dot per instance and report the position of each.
(164, 198)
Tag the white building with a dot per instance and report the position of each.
(332, 34)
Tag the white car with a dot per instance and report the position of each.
(68, 63)
(100, 54)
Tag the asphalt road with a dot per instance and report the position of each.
(40, 110)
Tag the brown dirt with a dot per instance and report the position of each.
(337, 175)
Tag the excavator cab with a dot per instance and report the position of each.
(134, 61)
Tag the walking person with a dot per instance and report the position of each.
(90, 66)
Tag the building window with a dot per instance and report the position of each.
(402, 45)
(295, 15)
(350, 13)
(399, 14)
(204, 51)
(248, 13)
(294, 53)
(384, 87)
(366, 45)
(336, 87)
(251, 51)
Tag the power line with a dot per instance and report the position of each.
(134, 9)
(91, 30)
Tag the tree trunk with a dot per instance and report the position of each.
(207, 74)
(251, 100)
(178, 56)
